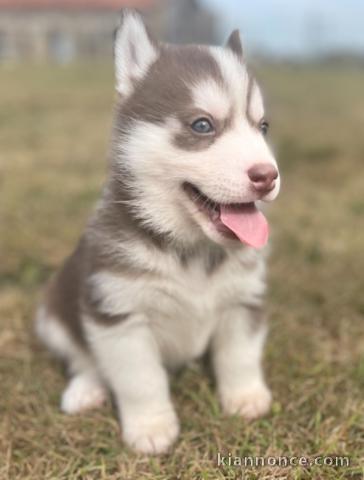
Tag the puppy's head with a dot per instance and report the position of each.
(189, 138)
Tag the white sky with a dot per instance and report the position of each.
(294, 27)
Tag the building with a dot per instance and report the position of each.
(66, 30)
(187, 21)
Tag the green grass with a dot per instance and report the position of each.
(54, 130)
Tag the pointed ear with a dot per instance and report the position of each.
(134, 51)
(234, 43)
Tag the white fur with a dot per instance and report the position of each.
(56, 337)
(237, 354)
(181, 312)
(116, 294)
(130, 361)
(256, 107)
(175, 311)
(83, 392)
(235, 76)
(134, 53)
(85, 389)
(177, 317)
(210, 97)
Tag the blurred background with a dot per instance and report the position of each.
(67, 30)
(56, 97)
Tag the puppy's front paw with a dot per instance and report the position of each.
(152, 434)
(250, 403)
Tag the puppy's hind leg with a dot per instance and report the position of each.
(85, 389)
(83, 392)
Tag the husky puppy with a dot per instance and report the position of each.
(171, 263)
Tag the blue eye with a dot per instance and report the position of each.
(202, 125)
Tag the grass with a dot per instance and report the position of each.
(54, 128)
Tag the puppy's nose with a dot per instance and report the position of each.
(262, 176)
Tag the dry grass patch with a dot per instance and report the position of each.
(54, 127)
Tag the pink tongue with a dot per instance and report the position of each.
(247, 222)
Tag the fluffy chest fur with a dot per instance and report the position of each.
(181, 297)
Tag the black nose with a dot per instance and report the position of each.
(263, 176)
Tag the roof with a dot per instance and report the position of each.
(73, 4)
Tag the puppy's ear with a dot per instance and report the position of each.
(134, 51)
(234, 43)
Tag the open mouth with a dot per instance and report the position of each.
(239, 221)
